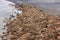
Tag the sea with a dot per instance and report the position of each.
(52, 8)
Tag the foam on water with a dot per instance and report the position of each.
(5, 11)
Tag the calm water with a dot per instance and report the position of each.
(47, 5)
(6, 10)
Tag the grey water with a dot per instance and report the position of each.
(52, 6)
(6, 10)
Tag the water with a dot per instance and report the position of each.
(5, 10)
(52, 6)
(36, 0)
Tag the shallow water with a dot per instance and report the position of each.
(52, 6)
(6, 10)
